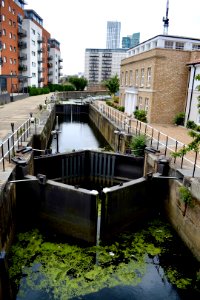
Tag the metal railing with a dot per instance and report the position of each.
(156, 139)
(15, 139)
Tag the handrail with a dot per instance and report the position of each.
(120, 120)
(17, 137)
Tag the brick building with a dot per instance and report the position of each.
(25, 49)
(154, 77)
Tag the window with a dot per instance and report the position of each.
(33, 64)
(179, 46)
(4, 59)
(3, 18)
(10, 35)
(11, 48)
(10, 22)
(33, 31)
(146, 104)
(148, 77)
(4, 45)
(122, 79)
(9, 8)
(140, 103)
(3, 32)
(11, 61)
(196, 47)
(169, 44)
(14, 37)
(142, 77)
(14, 49)
(126, 78)
(14, 24)
(33, 53)
(3, 3)
(33, 42)
(14, 61)
(136, 77)
(13, 11)
(33, 74)
(130, 78)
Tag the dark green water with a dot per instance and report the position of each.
(150, 263)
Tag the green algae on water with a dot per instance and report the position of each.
(65, 271)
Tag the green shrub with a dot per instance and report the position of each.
(138, 144)
(185, 195)
(140, 115)
(191, 125)
(179, 118)
(121, 108)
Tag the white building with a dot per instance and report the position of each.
(55, 60)
(192, 109)
(101, 64)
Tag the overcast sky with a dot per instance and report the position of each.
(81, 24)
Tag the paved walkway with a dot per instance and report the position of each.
(18, 112)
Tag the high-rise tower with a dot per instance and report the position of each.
(113, 35)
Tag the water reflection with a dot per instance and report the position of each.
(77, 133)
(135, 265)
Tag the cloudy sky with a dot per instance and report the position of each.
(82, 24)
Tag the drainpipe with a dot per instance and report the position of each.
(191, 94)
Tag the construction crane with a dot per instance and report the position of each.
(166, 20)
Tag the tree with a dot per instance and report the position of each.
(79, 82)
(112, 84)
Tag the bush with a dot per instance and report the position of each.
(179, 118)
(138, 144)
(191, 125)
(140, 115)
(121, 108)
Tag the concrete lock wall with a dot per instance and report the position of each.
(58, 207)
(185, 218)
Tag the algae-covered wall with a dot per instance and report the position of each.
(185, 217)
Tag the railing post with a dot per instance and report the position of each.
(175, 151)
(9, 148)
(152, 136)
(13, 139)
(196, 153)
(2, 153)
(182, 157)
(166, 144)
(158, 140)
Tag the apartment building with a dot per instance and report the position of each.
(55, 61)
(26, 49)
(101, 64)
(11, 16)
(131, 41)
(155, 75)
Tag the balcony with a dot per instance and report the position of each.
(41, 39)
(60, 59)
(40, 70)
(22, 68)
(41, 79)
(50, 65)
(23, 79)
(22, 32)
(50, 57)
(41, 50)
(22, 45)
(60, 74)
(41, 60)
(50, 73)
(60, 67)
(22, 56)
(19, 19)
